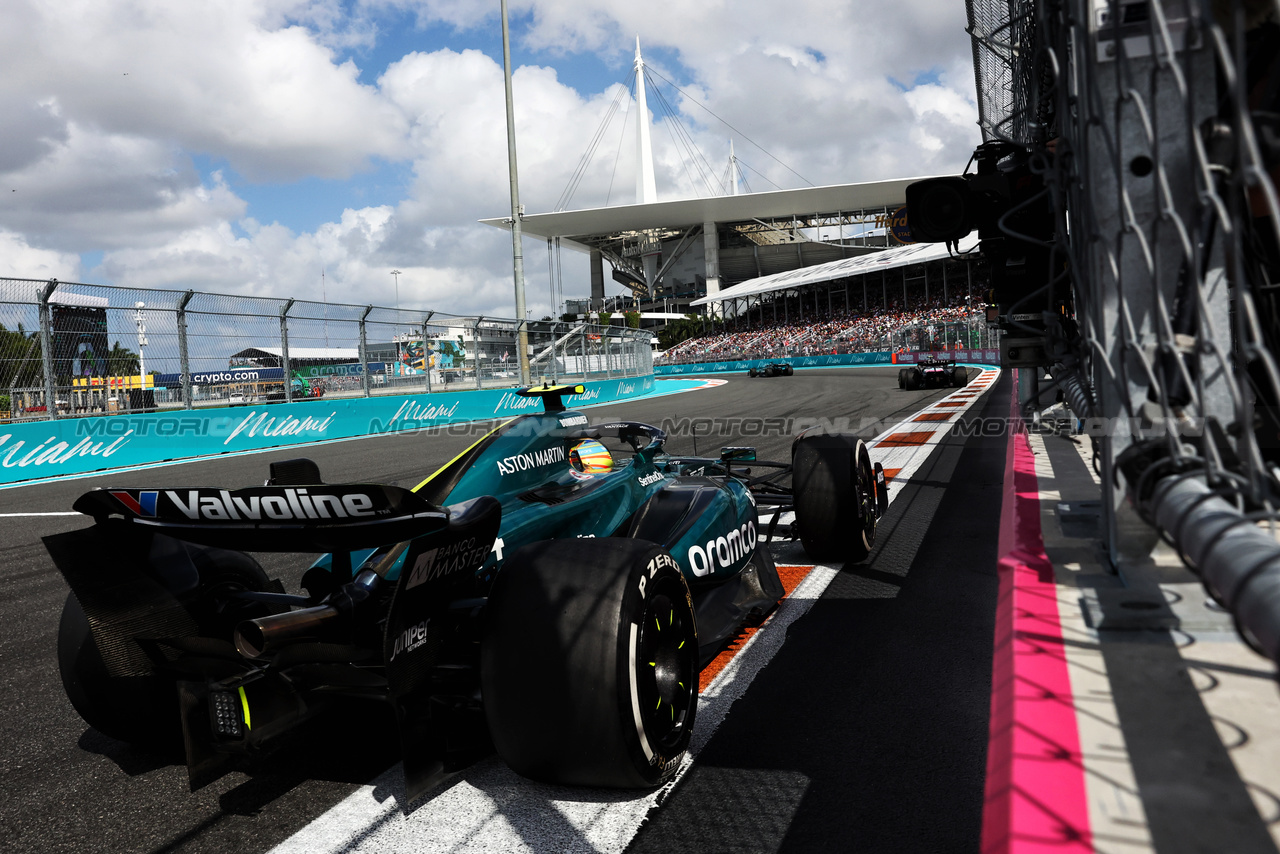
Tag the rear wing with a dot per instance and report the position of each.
(319, 518)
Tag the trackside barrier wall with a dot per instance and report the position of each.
(76, 446)
(991, 357)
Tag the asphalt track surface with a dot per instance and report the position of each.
(867, 731)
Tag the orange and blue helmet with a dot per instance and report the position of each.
(591, 457)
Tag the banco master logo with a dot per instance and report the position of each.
(446, 560)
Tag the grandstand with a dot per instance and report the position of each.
(683, 256)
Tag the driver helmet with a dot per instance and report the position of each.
(591, 457)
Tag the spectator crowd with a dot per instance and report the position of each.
(807, 330)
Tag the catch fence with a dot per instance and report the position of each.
(71, 349)
(1155, 125)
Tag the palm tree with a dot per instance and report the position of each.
(122, 362)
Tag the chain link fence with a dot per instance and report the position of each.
(70, 349)
(1155, 126)
(968, 334)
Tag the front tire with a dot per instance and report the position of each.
(589, 663)
(835, 497)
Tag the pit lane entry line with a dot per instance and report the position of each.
(488, 807)
(1035, 799)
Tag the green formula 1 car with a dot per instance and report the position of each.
(540, 595)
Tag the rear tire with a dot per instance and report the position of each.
(788, 371)
(139, 710)
(835, 497)
(959, 377)
(914, 379)
(143, 710)
(589, 663)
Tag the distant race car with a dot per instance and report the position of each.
(933, 373)
(537, 596)
(773, 369)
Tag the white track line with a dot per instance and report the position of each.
(488, 808)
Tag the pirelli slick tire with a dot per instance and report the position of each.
(788, 371)
(752, 372)
(143, 710)
(959, 377)
(902, 377)
(140, 710)
(589, 663)
(835, 497)
(914, 379)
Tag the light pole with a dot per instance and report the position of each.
(396, 328)
(395, 274)
(517, 249)
(140, 319)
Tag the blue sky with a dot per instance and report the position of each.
(307, 203)
(228, 147)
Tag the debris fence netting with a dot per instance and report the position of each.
(73, 350)
(1155, 125)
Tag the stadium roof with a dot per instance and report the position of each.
(900, 256)
(688, 212)
(74, 298)
(300, 353)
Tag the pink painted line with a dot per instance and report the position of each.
(1035, 789)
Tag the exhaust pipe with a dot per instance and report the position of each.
(265, 635)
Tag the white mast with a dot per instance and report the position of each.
(646, 188)
(733, 171)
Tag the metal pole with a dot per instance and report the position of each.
(184, 358)
(604, 348)
(583, 335)
(284, 351)
(522, 329)
(426, 356)
(517, 248)
(555, 336)
(476, 359)
(364, 351)
(46, 347)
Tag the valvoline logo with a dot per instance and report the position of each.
(143, 505)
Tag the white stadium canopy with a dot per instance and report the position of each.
(681, 213)
(900, 256)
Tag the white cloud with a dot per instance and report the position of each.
(21, 261)
(209, 77)
(118, 100)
